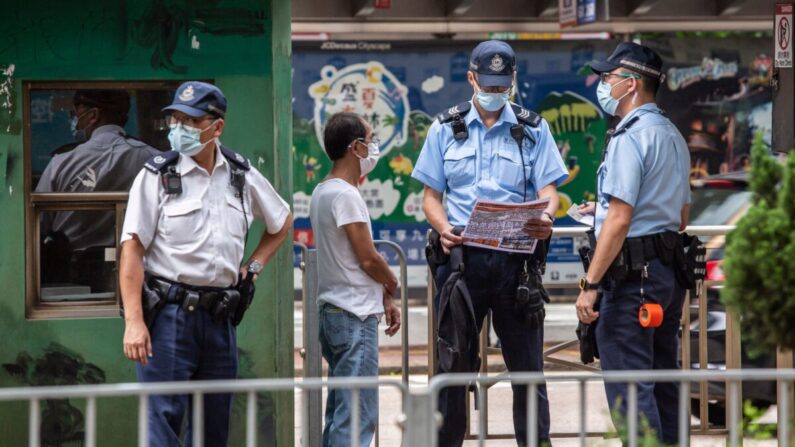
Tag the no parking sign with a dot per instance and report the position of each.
(783, 35)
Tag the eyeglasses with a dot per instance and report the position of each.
(603, 76)
(172, 120)
(374, 139)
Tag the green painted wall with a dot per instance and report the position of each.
(244, 47)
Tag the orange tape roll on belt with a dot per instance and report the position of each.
(650, 315)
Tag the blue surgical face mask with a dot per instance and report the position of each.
(492, 101)
(78, 134)
(606, 100)
(186, 140)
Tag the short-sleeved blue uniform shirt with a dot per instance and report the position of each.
(488, 164)
(647, 166)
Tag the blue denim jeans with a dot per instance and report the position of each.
(350, 346)
(625, 345)
(189, 346)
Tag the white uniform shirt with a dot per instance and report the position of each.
(197, 237)
(341, 280)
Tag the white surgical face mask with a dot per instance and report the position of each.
(186, 140)
(367, 164)
(492, 101)
(606, 100)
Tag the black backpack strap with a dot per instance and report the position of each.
(160, 163)
(525, 116)
(237, 160)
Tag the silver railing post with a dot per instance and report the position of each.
(583, 413)
(198, 419)
(684, 414)
(311, 399)
(419, 419)
(532, 414)
(734, 405)
(91, 422)
(251, 419)
(632, 414)
(783, 413)
(355, 417)
(143, 420)
(35, 424)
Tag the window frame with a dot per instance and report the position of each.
(36, 203)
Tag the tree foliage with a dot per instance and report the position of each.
(760, 256)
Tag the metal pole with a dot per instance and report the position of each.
(734, 413)
(91, 422)
(481, 414)
(251, 419)
(355, 417)
(532, 414)
(143, 421)
(783, 414)
(33, 428)
(419, 422)
(404, 307)
(583, 413)
(198, 419)
(703, 391)
(684, 414)
(632, 414)
(311, 399)
(431, 325)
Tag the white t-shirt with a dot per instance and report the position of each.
(341, 281)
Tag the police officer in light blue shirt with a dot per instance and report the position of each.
(643, 201)
(489, 148)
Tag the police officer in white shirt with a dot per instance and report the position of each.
(187, 218)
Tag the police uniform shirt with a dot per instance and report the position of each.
(647, 166)
(108, 161)
(487, 164)
(197, 237)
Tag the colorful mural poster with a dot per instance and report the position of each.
(399, 87)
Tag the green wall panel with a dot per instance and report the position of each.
(244, 47)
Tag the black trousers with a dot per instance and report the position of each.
(492, 277)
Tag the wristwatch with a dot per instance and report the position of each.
(254, 266)
(585, 285)
(551, 217)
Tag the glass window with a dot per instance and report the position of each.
(85, 144)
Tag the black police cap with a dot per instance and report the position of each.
(116, 100)
(494, 61)
(637, 58)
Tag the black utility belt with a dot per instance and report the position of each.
(192, 297)
(637, 252)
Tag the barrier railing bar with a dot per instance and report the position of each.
(684, 414)
(632, 413)
(582, 413)
(143, 421)
(251, 419)
(532, 415)
(33, 428)
(783, 414)
(355, 421)
(198, 419)
(482, 423)
(91, 422)
(703, 337)
(734, 413)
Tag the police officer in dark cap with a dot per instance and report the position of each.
(106, 159)
(490, 148)
(182, 283)
(642, 203)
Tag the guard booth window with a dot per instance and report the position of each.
(84, 144)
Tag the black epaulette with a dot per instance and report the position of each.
(236, 159)
(160, 162)
(526, 117)
(457, 110)
(626, 126)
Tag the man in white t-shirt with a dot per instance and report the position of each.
(356, 285)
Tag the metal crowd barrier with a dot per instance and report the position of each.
(733, 342)
(250, 387)
(312, 410)
(423, 420)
